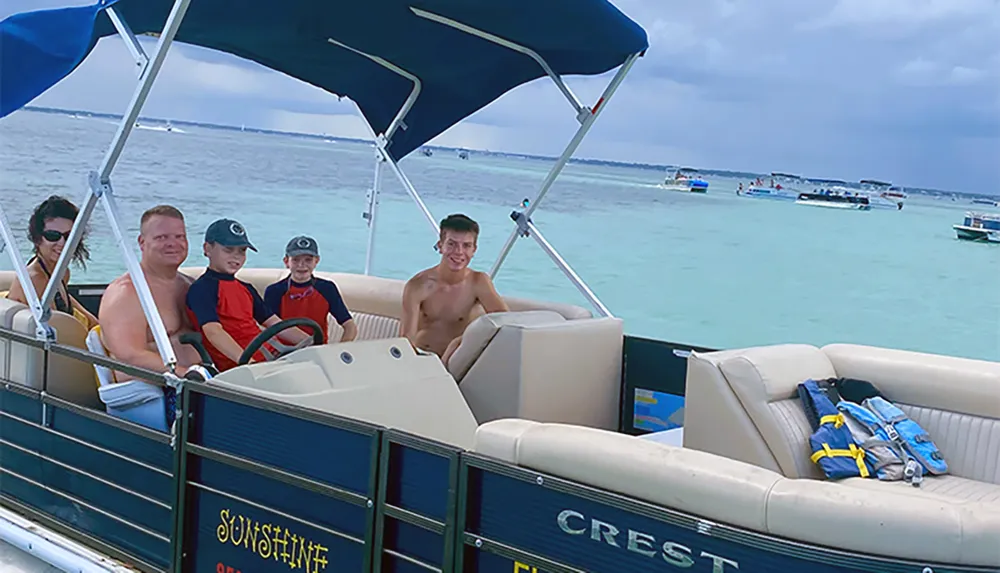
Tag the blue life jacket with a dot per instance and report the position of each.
(832, 444)
(914, 445)
(888, 459)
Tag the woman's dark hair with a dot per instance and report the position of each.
(56, 207)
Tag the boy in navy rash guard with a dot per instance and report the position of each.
(301, 294)
(229, 312)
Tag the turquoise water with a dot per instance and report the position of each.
(713, 270)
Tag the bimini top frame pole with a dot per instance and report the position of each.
(100, 188)
(584, 115)
(381, 141)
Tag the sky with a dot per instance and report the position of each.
(906, 91)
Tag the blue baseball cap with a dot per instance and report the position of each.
(228, 233)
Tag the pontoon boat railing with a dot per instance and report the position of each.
(100, 185)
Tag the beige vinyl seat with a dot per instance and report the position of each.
(549, 362)
(742, 404)
(68, 378)
(890, 522)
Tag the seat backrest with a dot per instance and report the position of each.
(376, 303)
(68, 378)
(96, 345)
(956, 400)
(743, 404)
(8, 308)
(7, 278)
(539, 366)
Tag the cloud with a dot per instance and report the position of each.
(905, 90)
(883, 13)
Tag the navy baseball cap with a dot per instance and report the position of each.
(302, 245)
(228, 233)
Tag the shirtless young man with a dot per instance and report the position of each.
(124, 330)
(438, 302)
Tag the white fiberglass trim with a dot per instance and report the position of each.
(56, 550)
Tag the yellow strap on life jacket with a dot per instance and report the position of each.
(836, 419)
(854, 452)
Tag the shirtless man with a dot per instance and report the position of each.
(124, 330)
(438, 302)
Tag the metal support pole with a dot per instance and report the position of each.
(409, 187)
(380, 148)
(131, 42)
(382, 141)
(42, 330)
(146, 79)
(566, 269)
(566, 155)
(106, 192)
(372, 214)
(574, 101)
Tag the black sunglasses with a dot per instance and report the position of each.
(53, 236)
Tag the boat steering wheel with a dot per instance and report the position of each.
(283, 350)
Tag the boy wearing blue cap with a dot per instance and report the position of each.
(226, 311)
(302, 294)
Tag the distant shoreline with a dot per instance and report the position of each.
(581, 161)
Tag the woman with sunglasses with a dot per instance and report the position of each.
(48, 231)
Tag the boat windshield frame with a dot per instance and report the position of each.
(101, 190)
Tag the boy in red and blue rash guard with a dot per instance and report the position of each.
(229, 312)
(301, 294)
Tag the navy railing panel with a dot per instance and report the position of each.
(579, 530)
(254, 533)
(333, 456)
(77, 516)
(20, 405)
(418, 481)
(417, 502)
(124, 473)
(414, 542)
(132, 445)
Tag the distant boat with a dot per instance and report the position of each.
(463, 154)
(989, 202)
(427, 152)
(979, 228)
(783, 187)
(884, 195)
(685, 179)
(168, 127)
(835, 199)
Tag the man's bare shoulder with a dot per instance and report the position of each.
(119, 300)
(119, 289)
(422, 280)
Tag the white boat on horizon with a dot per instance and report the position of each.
(882, 195)
(782, 187)
(685, 179)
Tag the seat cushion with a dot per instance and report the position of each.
(947, 487)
